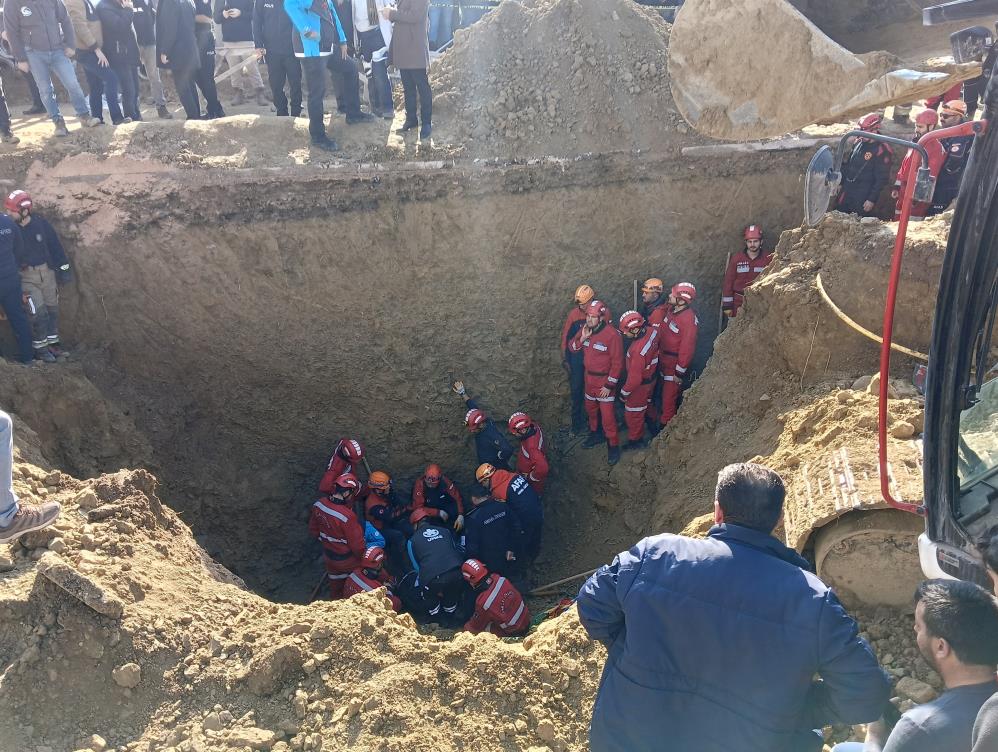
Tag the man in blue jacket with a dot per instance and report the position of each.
(714, 645)
(491, 445)
(11, 293)
(320, 44)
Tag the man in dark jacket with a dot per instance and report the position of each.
(177, 49)
(144, 22)
(437, 559)
(11, 293)
(6, 136)
(122, 51)
(272, 31)
(865, 171)
(41, 39)
(714, 644)
(235, 18)
(204, 78)
(491, 445)
(492, 532)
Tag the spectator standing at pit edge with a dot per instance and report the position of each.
(272, 32)
(122, 50)
(177, 49)
(714, 644)
(409, 51)
(144, 22)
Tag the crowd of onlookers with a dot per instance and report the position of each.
(117, 43)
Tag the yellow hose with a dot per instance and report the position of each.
(865, 332)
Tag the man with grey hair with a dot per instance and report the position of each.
(726, 643)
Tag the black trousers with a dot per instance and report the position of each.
(415, 81)
(577, 385)
(184, 72)
(4, 112)
(102, 81)
(442, 594)
(281, 68)
(205, 75)
(13, 307)
(128, 79)
(315, 69)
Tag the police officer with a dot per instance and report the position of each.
(272, 37)
(204, 78)
(957, 149)
(865, 171)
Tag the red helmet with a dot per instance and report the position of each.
(519, 421)
(474, 418)
(631, 322)
(474, 571)
(17, 200)
(952, 107)
(349, 482)
(596, 308)
(374, 558)
(871, 122)
(684, 291)
(753, 232)
(352, 450)
(419, 515)
(433, 473)
(927, 117)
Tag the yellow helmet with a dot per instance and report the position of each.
(583, 294)
(380, 481)
(653, 285)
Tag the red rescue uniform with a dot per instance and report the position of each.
(603, 359)
(448, 489)
(336, 467)
(642, 370)
(937, 156)
(532, 460)
(342, 538)
(741, 272)
(360, 581)
(575, 320)
(499, 609)
(679, 343)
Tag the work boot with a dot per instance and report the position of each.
(261, 98)
(407, 126)
(44, 355)
(58, 351)
(595, 438)
(654, 428)
(90, 122)
(326, 144)
(6, 137)
(37, 109)
(635, 444)
(360, 117)
(30, 518)
(239, 99)
(163, 112)
(60, 127)
(612, 455)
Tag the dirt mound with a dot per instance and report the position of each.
(558, 77)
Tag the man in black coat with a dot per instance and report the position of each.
(122, 51)
(272, 31)
(492, 532)
(144, 22)
(437, 559)
(177, 49)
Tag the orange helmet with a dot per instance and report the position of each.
(871, 122)
(654, 284)
(954, 107)
(684, 291)
(349, 483)
(474, 571)
(433, 473)
(631, 322)
(596, 308)
(474, 418)
(753, 232)
(374, 558)
(419, 515)
(484, 472)
(583, 294)
(519, 421)
(352, 450)
(18, 200)
(927, 117)
(380, 481)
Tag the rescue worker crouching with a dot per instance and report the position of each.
(572, 361)
(743, 268)
(531, 460)
(334, 522)
(344, 459)
(516, 490)
(492, 533)
(436, 558)
(641, 343)
(437, 493)
(679, 344)
(490, 444)
(370, 576)
(499, 607)
(388, 512)
(603, 359)
(865, 171)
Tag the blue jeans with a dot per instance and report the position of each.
(102, 82)
(43, 65)
(8, 499)
(441, 24)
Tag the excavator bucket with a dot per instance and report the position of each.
(759, 69)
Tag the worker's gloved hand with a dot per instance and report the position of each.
(459, 388)
(510, 556)
(64, 274)
(459, 522)
(444, 516)
(729, 313)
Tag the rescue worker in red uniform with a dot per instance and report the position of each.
(388, 511)
(865, 171)
(341, 534)
(957, 149)
(679, 343)
(437, 493)
(572, 361)
(499, 607)
(641, 367)
(742, 270)
(603, 358)
(516, 491)
(531, 460)
(370, 576)
(925, 121)
(345, 457)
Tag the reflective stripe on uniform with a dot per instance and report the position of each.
(648, 344)
(726, 299)
(612, 380)
(338, 576)
(495, 592)
(680, 369)
(636, 409)
(668, 378)
(606, 399)
(516, 617)
(331, 539)
(360, 583)
(524, 452)
(331, 512)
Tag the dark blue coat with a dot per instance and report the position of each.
(714, 645)
(490, 444)
(11, 249)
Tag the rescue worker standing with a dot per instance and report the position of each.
(11, 293)
(492, 532)
(865, 171)
(531, 460)
(679, 344)
(341, 534)
(44, 267)
(925, 121)
(437, 493)
(346, 456)
(641, 366)
(370, 576)
(437, 559)
(516, 491)
(957, 149)
(499, 607)
(603, 358)
(654, 303)
(742, 270)
(571, 360)
(490, 444)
